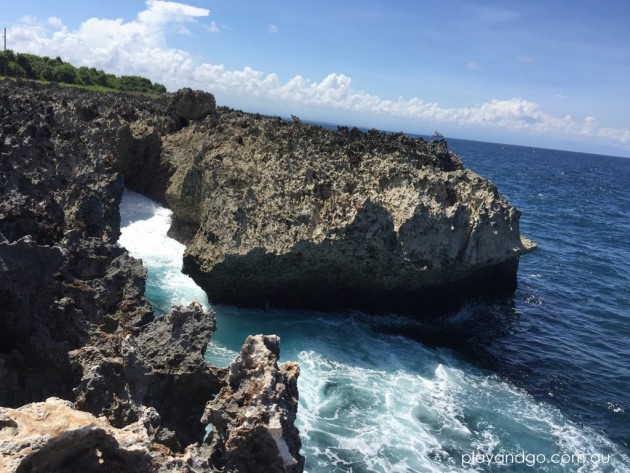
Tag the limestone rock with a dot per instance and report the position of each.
(53, 436)
(290, 214)
(165, 369)
(193, 104)
(74, 323)
(253, 416)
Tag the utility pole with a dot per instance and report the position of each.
(5, 38)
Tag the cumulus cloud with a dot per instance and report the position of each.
(140, 47)
(55, 22)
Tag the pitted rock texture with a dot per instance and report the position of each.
(74, 323)
(158, 365)
(253, 416)
(165, 367)
(61, 152)
(296, 215)
(54, 437)
(193, 104)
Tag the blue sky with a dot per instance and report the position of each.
(541, 73)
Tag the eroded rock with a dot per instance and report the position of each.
(165, 368)
(74, 323)
(253, 416)
(193, 104)
(289, 214)
(52, 436)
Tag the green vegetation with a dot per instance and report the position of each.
(30, 66)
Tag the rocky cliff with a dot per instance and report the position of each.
(274, 213)
(90, 380)
(289, 214)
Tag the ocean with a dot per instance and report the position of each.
(539, 381)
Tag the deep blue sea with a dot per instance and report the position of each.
(535, 382)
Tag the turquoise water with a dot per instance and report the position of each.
(533, 377)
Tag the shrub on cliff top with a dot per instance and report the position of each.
(30, 66)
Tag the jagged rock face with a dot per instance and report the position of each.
(74, 322)
(55, 299)
(65, 284)
(253, 416)
(54, 437)
(165, 368)
(158, 365)
(61, 149)
(193, 104)
(296, 215)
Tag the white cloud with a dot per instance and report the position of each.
(212, 27)
(273, 29)
(524, 59)
(29, 20)
(139, 47)
(473, 66)
(55, 22)
(159, 13)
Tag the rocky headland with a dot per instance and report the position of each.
(273, 212)
(90, 380)
(282, 213)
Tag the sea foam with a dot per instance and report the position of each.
(371, 402)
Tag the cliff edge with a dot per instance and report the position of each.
(90, 379)
(289, 214)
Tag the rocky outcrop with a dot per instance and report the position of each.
(74, 323)
(158, 365)
(53, 436)
(253, 416)
(165, 369)
(274, 212)
(193, 104)
(58, 298)
(65, 283)
(288, 214)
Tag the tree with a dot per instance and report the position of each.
(24, 61)
(15, 70)
(65, 73)
(86, 75)
(31, 66)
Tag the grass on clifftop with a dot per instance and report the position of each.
(46, 70)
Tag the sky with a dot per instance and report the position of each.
(546, 73)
